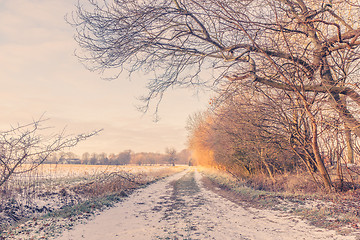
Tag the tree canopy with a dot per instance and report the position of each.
(299, 52)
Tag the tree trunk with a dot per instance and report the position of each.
(339, 172)
(347, 133)
(263, 160)
(349, 145)
(319, 162)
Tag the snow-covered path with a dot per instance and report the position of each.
(179, 207)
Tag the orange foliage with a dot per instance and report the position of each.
(201, 150)
(202, 155)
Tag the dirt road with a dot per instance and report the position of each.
(179, 207)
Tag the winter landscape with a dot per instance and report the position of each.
(180, 119)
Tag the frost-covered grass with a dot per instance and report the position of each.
(50, 171)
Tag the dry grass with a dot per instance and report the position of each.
(123, 181)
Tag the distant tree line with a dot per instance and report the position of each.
(123, 158)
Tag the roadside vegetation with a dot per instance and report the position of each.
(261, 144)
(267, 161)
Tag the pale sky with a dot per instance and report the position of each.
(40, 74)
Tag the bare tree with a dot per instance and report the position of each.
(85, 158)
(124, 157)
(171, 156)
(24, 147)
(308, 49)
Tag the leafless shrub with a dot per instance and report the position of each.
(23, 148)
(107, 183)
